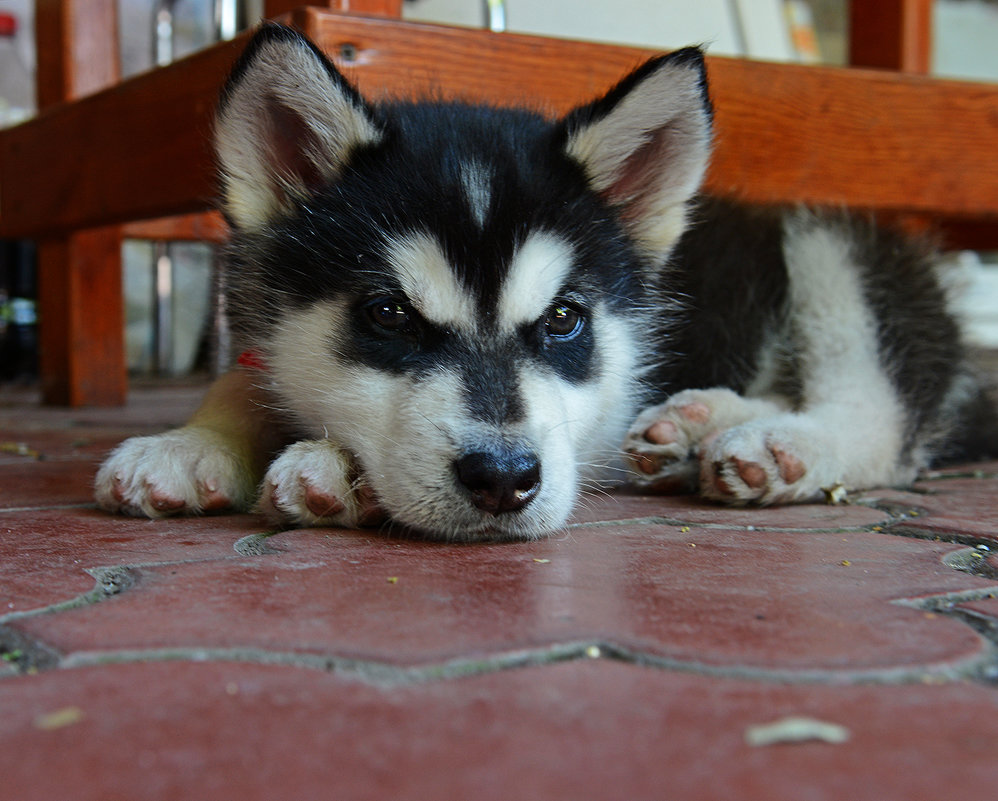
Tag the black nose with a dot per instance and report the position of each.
(500, 481)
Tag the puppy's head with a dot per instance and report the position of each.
(459, 296)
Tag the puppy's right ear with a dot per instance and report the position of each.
(287, 124)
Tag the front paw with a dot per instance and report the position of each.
(316, 483)
(667, 442)
(664, 441)
(187, 471)
(757, 464)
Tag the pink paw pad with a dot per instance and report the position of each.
(644, 463)
(664, 432)
(754, 475)
(791, 468)
(695, 412)
(212, 499)
(322, 503)
(164, 502)
(710, 478)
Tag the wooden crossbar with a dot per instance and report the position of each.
(785, 133)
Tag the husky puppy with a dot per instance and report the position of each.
(454, 315)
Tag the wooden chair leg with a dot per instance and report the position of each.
(81, 316)
(891, 34)
(80, 306)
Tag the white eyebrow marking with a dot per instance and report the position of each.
(429, 282)
(537, 274)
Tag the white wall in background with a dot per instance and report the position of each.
(965, 39)
(726, 27)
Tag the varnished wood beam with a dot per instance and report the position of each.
(785, 133)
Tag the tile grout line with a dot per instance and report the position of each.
(983, 667)
(113, 580)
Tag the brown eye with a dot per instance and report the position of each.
(562, 322)
(389, 314)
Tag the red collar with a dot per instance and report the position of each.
(252, 359)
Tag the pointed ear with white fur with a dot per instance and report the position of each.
(646, 144)
(287, 124)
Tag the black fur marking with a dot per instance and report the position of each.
(411, 183)
(491, 387)
(728, 273)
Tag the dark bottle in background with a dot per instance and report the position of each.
(18, 311)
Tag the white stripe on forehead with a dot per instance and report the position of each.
(537, 274)
(477, 182)
(428, 281)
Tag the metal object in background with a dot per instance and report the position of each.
(162, 309)
(220, 355)
(496, 10)
(18, 311)
(233, 16)
(162, 32)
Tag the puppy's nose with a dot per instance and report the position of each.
(500, 481)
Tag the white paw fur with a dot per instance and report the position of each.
(749, 450)
(773, 460)
(312, 483)
(187, 471)
(666, 440)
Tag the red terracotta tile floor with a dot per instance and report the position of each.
(658, 648)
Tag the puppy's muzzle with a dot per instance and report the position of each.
(500, 480)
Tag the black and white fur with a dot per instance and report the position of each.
(464, 311)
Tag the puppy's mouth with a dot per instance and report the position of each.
(485, 494)
(463, 516)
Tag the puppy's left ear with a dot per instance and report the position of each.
(645, 146)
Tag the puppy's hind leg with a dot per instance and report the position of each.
(851, 424)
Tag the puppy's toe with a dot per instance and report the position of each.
(661, 432)
(187, 471)
(747, 464)
(165, 501)
(321, 502)
(791, 468)
(664, 439)
(311, 484)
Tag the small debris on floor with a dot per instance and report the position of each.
(19, 449)
(59, 719)
(835, 494)
(795, 730)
